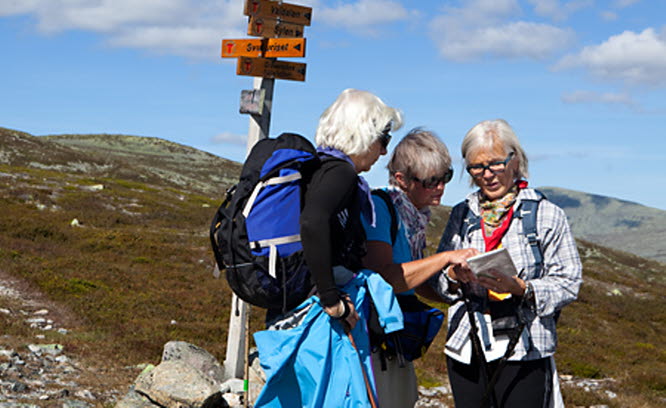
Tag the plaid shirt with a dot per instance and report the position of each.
(554, 287)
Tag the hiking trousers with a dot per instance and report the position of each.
(521, 384)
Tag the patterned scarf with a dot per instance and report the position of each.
(364, 194)
(414, 220)
(493, 212)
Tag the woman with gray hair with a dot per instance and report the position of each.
(515, 315)
(419, 168)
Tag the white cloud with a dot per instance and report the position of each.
(597, 97)
(488, 28)
(480, 29)
(180, 27)
(555, 10)
(634, 58)
(227, 137)
(363, 16)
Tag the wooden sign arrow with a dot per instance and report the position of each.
(268, 27)
(290, 13)
(284, 47)
(268, 68)
(268, 47)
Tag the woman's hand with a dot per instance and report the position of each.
(458, 268)
(502, 283)
(345, 312)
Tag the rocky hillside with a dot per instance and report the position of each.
(113, 249)
(614, 223)
(143, 159)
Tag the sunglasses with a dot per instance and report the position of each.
(433, 182)
(385, 137)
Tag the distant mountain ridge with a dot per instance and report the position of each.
(612, 222)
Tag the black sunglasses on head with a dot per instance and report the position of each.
(434, 181)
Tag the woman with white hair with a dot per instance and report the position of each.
(352, 133)
(512, 364)
(316, 355)
(419, 168)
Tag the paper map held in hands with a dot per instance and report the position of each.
(498, 259)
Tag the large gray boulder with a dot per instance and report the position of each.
(190, 377)
(175, 384)
(195, 357)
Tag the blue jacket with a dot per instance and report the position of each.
(315, 364)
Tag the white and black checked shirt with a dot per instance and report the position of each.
(554, 287)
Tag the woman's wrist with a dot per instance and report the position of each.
(453, 285)
(341, 310)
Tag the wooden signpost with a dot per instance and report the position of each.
(280, 26)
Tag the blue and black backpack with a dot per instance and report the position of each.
(255, 234)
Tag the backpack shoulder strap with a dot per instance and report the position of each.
(528, 213)
(471, 222)
(394, 215)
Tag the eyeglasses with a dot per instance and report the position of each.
(385, 137)
(478, 170)
(433, 182)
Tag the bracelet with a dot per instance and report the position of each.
(449, 279)
(346, 310)
(528, 295)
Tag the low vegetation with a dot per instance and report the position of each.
(136, 272)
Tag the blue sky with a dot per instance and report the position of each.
(582, 82)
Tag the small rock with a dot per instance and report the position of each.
(94, 187)
(234, 400)
(235, 385)
(85, 394)
(75, 223)
(19, 387)
(41, 312)
(75, 404)
(610, 394)
(6, 311)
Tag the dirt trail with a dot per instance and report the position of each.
(35, 369)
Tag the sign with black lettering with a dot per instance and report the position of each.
(289, 13)
(267, 47)
(268, 68)
(268, 27)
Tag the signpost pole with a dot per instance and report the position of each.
(234, 363)
(260, 124)
(257, 58)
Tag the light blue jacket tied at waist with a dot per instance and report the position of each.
(314, 363)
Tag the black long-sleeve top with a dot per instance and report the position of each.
(331, 230)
